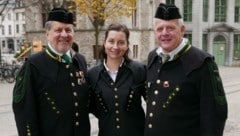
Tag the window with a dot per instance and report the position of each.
(204, 42)
(23, 28)
(205, 10)
(189, 37)
(134, 17)
(23, 16)
(236, 53)
(3, 44)
(170, 1)
(187, 10)
(135, 51)
(19, 3)
(17, 28)
(3, 30)
(9, 29)
(17, 16)
(237, 11)
(9, 16)
(220, 10)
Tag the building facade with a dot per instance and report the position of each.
(212, 25)
(12, 27)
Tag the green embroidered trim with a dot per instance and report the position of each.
(217, 85)
(52, 54)
(182, 51)
(52, 103)
(171, 97)
(22, 82)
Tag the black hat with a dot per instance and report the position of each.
(60, 15)
(167, 12)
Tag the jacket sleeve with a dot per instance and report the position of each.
(213, 104)
(24, 105)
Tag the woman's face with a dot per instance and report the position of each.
(116, 44)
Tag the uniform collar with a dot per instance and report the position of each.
(106, 67)
(173, 53)
(54, 54)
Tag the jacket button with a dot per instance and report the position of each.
(75, 93)
(153, 103)
(150, 114)
(149, 125)
(77, 123)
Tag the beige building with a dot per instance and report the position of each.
(212, 25)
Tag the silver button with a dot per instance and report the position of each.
(116, 111)
(71, 74)
(116, 104)
(115, 89)
(115, 96)
(150, 114)
(118, 126)
(149, 125)
(131, 96)
(76, 114)
(153, 103)
(117, 119)
(156, 92)
(73, 84)
(158, 81)
(75, 93)
(76, 104)
(77, 123)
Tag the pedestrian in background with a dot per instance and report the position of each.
(50, 96)
(118, 85)
(185, 95)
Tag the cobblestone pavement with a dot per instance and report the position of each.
(231, 82)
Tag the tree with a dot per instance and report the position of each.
(98, 11)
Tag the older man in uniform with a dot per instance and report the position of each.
(185, 94)
(51, 96)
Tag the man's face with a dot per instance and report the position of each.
(169, 33)
(60, 36)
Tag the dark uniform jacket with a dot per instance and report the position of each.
(117, 105)
(51, 98)
(185, 97)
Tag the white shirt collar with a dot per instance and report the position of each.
(60, 54)
(112, 74)
(173, 52)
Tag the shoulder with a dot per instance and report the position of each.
(94, 71)
(136, 65)
(194, 58)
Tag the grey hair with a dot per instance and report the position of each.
(180, 21)
(48, 25)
